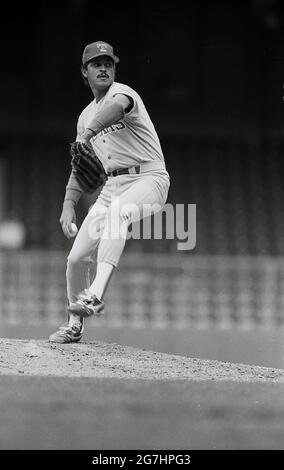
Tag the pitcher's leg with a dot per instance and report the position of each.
(109, 250)
(122, 211)
(80, 262)
(127, 208)
(79, 275)
(82, 257)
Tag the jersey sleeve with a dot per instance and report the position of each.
(80, 126)
(122, 89)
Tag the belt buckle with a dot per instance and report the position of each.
(134, 170)
(131, 170)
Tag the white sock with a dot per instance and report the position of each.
(73, 318)
(103, 275)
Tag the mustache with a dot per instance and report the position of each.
(103, 75)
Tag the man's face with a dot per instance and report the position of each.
(100, 72)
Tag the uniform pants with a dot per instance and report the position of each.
(103, 233)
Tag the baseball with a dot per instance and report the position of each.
(74, 229)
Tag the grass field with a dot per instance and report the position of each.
(72, 413)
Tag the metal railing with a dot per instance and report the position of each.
(159, 290)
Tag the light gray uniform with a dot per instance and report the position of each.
(131, 142)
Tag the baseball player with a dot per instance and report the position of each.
(118, 129)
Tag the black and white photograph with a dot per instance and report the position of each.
(142, 229)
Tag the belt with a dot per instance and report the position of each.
(125, 171)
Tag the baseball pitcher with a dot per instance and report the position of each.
(117, 148)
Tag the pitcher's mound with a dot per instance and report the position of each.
(99, 359)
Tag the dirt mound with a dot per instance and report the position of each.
(99, 359)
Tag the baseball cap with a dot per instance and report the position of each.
(96, 49)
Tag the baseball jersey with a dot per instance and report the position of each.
(131, 141)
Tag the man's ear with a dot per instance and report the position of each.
(84, 71)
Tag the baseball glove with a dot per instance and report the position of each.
(87, 168)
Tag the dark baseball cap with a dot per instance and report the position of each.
(96, 49)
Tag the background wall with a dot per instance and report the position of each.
(211, 76)
(220, 64)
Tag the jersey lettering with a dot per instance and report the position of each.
(131, 140)
(113, 128)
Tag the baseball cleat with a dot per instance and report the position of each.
(68, 334)
(87, 305)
